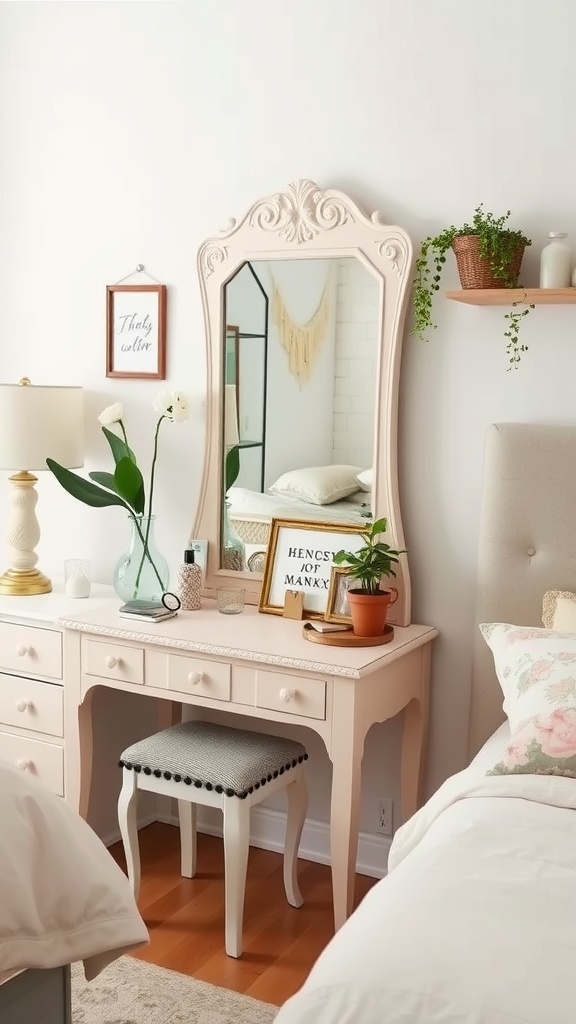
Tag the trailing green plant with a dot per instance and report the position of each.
(372, 561)
(497, 245)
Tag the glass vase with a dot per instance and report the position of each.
(142, 573)
(233, 550)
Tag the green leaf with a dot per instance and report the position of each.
(232, 467)
(119, 448)
(106, 479)
(83, 489)
(129, 484)
(380, 526)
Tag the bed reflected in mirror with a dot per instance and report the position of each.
(300, 369)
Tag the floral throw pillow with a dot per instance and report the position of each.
(536, 669)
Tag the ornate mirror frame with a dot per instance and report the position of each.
(306, 222)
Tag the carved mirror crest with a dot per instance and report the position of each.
(304, 303)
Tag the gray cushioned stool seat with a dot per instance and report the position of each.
(201, 754)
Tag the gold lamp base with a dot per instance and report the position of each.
(24, 583)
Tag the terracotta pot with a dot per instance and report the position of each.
(369, 611)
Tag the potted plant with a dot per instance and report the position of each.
(488, 255)
(369, 565)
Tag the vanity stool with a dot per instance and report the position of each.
(216, 766)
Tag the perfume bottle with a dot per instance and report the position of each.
(189, 583)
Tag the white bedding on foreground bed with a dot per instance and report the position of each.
(62, 896)
(476, 921)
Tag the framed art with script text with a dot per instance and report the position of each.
(299, 558)
(136, 331)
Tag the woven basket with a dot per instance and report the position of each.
(475, 272)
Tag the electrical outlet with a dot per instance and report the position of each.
(386, 817)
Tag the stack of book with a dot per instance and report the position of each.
(147, 611)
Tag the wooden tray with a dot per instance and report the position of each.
(347, 639)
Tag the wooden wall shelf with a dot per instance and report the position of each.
(507, 296)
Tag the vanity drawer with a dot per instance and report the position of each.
(293, 695)
(29, 704)
(112, 661)
(193, 675)
(26, 649)
(44, 761)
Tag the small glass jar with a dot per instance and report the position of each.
(556, 262)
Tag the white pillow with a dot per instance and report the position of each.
(318, 485)
(559, 610)
(365, 479)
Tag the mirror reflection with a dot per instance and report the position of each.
(300, 365)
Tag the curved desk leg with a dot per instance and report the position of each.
(85, 736)
(414, 742)
(347, 751)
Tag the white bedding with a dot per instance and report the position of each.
(246, 502)
(476, 922)
(62, 896)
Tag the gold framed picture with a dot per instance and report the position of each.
(337, 607)
(299, 558)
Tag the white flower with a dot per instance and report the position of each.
(173, 405)
(111, 414)
(179, 407)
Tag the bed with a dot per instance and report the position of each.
(62, 899)
(475, 922)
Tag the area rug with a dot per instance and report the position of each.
(133, 992)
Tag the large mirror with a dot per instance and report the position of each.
(304, 305)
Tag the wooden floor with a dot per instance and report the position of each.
(185, 916)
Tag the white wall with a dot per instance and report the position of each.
(131, 131)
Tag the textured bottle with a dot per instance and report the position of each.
(189, 583)
(556, 262)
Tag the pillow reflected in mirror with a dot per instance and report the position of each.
(318, 485)
(365, 479)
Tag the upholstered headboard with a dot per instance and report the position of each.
(527, 543)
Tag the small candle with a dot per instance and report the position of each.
(77, 585)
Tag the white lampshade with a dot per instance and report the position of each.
(39, 422)
(231, 436)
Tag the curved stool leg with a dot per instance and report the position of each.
(297, 807)
(236, 833)
(127, 807)
(187, 819)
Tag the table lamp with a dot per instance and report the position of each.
(36, 422)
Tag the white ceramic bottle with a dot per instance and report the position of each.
(189, 583)
(556, 262)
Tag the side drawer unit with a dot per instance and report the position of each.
(30, 651)
(30, 704)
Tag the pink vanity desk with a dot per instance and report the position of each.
(261, 666)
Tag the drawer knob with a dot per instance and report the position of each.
(286, 694)
(25, 764)
(112, 662)
(23, 705)
(23, 650)
(195, 678)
